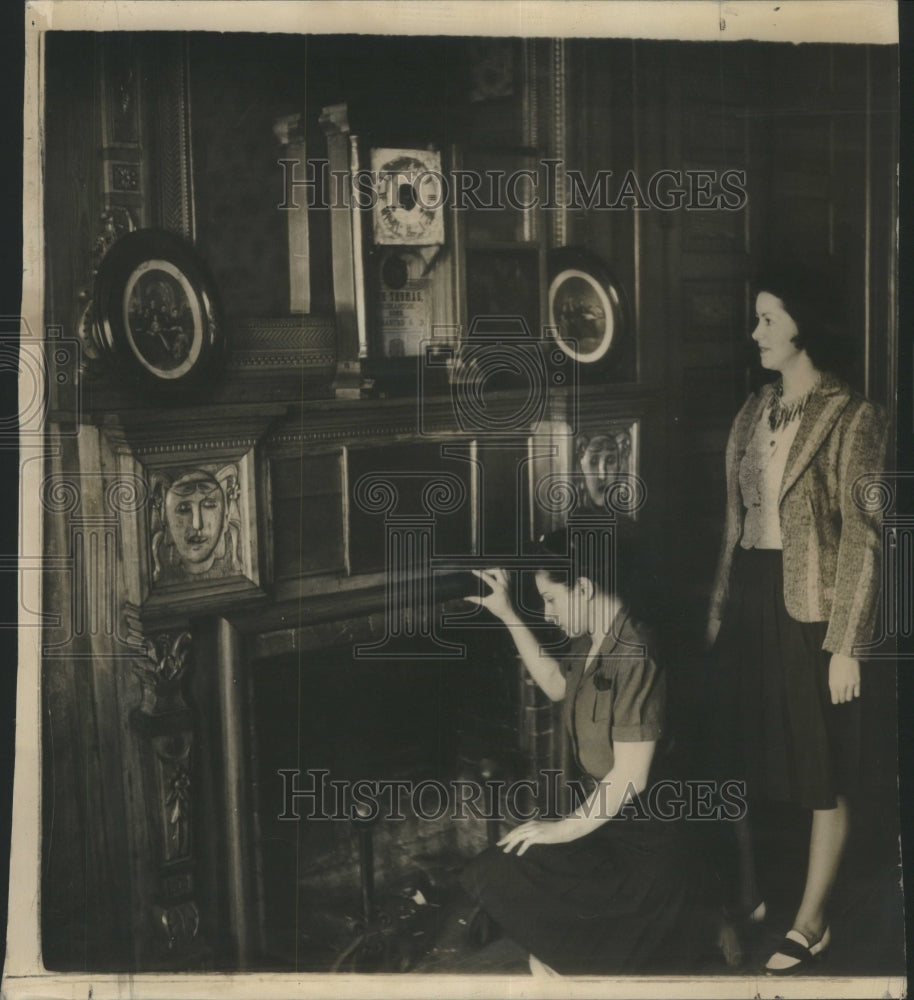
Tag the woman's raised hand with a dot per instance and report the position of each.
(498, 601)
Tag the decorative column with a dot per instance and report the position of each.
(346, 243)
(290, 131)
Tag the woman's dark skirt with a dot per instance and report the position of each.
(779, 730)
(626, 898)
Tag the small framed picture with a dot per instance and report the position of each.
(156, 312)
(586, 310)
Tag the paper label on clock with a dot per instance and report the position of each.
(403, 318)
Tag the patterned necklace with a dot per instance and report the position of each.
(782, 413)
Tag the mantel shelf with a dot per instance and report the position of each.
(142, 432)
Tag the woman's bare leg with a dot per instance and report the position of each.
(826, 845)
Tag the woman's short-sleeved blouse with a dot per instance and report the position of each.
(621, 696)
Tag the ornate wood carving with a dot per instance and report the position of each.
(170, 123)
(121, 125)
(559, 144)
(530, 106)
(114, 223)
(278, 356)
(119, 181)
(201, 537)
(123, 177)
(195, 524)
(120, 110)
(164, 725)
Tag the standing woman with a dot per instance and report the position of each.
(797, 590)
(608, 888)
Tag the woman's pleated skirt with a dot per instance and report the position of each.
(778, 729)
(624, 899)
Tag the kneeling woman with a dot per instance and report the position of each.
(607, 888)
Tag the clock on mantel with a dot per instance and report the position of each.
(408, 197)
(394, 255)
(406, 237)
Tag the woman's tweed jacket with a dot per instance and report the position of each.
(832, 546)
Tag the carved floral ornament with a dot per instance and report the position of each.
(167, 659)
(161, 670)
(179, 923)
(195, 525)
(174, 794)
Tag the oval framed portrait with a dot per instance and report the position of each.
(587, 313)
(156, 309)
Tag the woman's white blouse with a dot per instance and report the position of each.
(761, 472)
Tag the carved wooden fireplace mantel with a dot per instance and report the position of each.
(257, 531)
(189, 551)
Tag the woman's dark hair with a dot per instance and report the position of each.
(815, 305)
(612, 554)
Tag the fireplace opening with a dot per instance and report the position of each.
(405, 730)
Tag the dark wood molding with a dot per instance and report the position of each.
(194, 431)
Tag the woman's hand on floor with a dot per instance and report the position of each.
(539, 831)
(843, 678)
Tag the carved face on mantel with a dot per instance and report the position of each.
(195, 509)
(601, 458)
(196, 524)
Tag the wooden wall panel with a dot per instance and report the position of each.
(811, 126)
(308, 516)
(85, 911)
